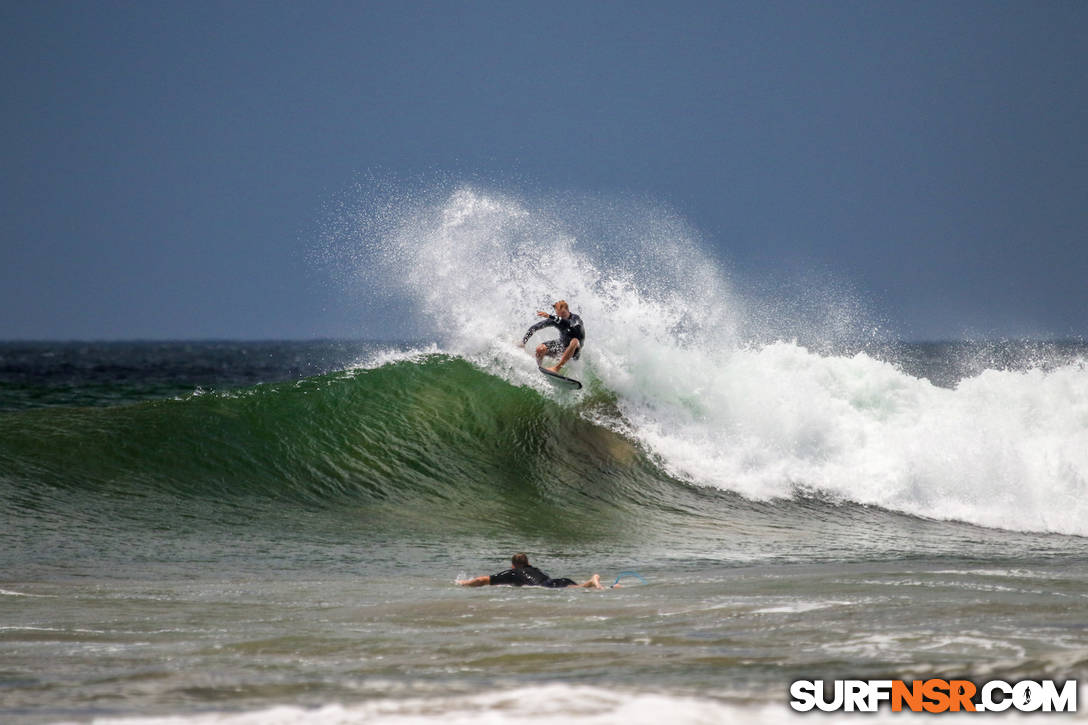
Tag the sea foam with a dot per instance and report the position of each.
(702, 382)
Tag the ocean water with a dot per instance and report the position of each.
(271, 532)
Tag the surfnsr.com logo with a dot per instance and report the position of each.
(934, 695)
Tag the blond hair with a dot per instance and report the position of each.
(561, 304)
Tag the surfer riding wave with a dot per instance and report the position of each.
(572, 336)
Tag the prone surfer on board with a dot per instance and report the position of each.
(525, 575)
(572, 335)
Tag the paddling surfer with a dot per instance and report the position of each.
(523, 574)
(572, 335)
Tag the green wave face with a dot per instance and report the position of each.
(429, 439)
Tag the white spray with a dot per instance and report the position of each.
(664, 328)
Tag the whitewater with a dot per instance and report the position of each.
(703, 379)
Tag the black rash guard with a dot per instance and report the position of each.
(569, 329)
(529, 576)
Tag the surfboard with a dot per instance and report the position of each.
(561, 381)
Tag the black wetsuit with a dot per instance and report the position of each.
(569, 329)
(530, 576)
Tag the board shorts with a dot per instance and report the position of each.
(555, 349)
(559, 583)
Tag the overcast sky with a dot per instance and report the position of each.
(167, 165)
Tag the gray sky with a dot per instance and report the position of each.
(167, 165)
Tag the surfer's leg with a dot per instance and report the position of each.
(567, 354)
(594, 582)
(551, 348)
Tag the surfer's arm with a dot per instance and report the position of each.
(539, 326)
(479, 581)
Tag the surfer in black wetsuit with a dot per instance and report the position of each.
(525, 575)
(572, 335)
